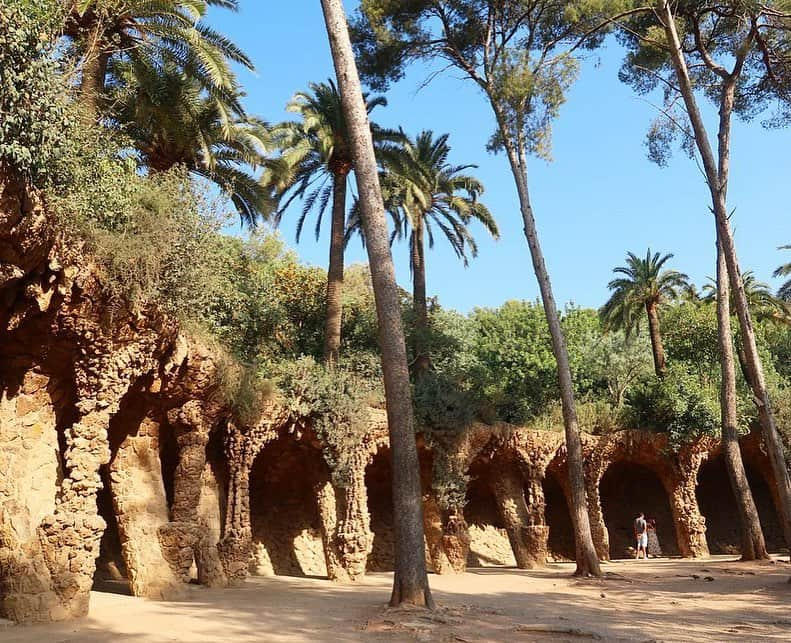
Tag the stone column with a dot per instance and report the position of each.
(689, 522)
(141, 508)
(186, 537)
(594, 470)
(236, 545)
(70, 538)
(507, 485)
(346, 524)
(537, 531)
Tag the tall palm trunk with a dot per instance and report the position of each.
(587, 559)
(94, 73)
(334, 318)
(418, 251)
(717, 189)
(657, 349)
(753, 545)
(410, 582)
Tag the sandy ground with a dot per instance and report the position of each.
(657, 600)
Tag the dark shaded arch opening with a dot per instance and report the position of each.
(718, 505)
(558, 519)
(110, 575)
(378, 476)
(626, 489)
(283, 509)
(489, 545)
(767, 510)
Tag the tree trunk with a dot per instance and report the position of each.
(656, 339)
(410, 583)
(334, 319)
(94, 72)
(587, 560)
(418, 251)
(753, 545)
(772, 441)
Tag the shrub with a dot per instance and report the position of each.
(333, 403)
(34, 127)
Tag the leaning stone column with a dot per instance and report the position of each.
(346, 524)
(689, 522)
(141, 508)
(601, 537)
(507, 486)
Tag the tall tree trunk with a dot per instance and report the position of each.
(410, 583)
(94, 72)
(656, 339)
(421, 348)
(587, 559)
(654, 331)
(334, 319)
(753, 545)
(772, 441)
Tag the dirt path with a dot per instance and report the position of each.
(662, 600)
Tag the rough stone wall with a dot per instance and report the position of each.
(73, 355)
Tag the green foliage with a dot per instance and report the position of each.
(680, 405)
(333, 402)
(719, 37)
(441, 405)
(34, 126)
(690, 336)
(522, 54)
(515, 368)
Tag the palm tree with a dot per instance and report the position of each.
(410, 581)
(173, 121)
(763, 304)
(314, 166)
(425, 194)
(147, 31)
(784, 292)
(645, 286)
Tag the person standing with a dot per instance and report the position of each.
(641, 535)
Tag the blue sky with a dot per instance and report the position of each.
(599, 198)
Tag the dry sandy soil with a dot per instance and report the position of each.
(657, 600)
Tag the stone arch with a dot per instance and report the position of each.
(378, 476)
(378, 486)
(489, 541)
(111, 575)
(284, 515)
(626, 488)
(764, 488)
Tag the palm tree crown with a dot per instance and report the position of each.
(760, 299)
(784, 292)
(425, 194)
(315, 151)
(173, 121)
(147, 32)
(644, 286)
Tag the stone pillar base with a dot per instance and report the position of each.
(235, 552)
(537, 539)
